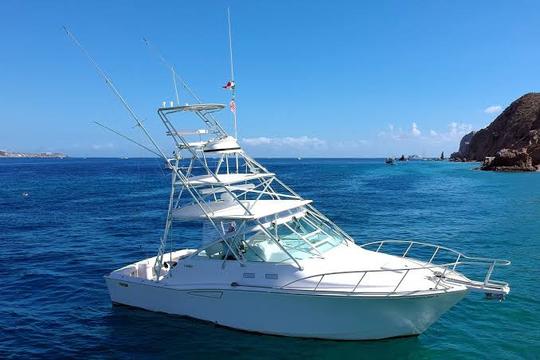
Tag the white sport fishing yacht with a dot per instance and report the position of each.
(269, 261)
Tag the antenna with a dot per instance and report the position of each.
(230, 43)
(232, 103)
(115, 90)
(170, 67)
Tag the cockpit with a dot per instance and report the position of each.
(301, 236)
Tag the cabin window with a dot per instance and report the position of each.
(303, 238)
(216, 251)
(258, 246)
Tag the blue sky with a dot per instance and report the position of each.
(314, 78)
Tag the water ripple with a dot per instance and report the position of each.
(83, 218)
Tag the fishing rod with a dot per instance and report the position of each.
(176, 76)
(127, 138)
(175, 87)
(109, 82)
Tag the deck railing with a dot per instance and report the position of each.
(461, 259)
(443, 273)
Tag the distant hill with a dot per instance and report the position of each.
(511, 142)
(12, 154)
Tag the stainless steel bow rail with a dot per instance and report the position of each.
(443, 274)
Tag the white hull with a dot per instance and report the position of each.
(325, 316)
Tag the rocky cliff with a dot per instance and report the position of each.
(464, 144)
(511, 142)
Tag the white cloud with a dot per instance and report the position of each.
(261, 140)
(410, 139)
(414, 130)
(454, 132)
(306, 146)
(289, 141)
(399, 134)
(458, 129)
(102, 146)
(347, 145)
(493, 109)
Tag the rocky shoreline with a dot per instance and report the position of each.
(44, 155)
(510, 143)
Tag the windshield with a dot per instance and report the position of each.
(303, 237)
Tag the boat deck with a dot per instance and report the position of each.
(375, 274)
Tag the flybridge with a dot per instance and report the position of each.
(214, 180)
(196, 107)
(202, 111)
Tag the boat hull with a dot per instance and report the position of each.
(338, 317)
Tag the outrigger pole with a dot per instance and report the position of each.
(109, 82)
(127, 138)
(175, 87)
(171, 68)
(233, 103)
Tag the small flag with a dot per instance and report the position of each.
(232, 106)
(229, 85)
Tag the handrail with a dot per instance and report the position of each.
(443, 272)
(491, 286)
(477, 260)
(411, 243)
(322, 275)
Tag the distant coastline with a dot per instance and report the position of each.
(13, 154)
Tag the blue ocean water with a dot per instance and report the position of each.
(66, 223)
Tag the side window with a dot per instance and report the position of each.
(216, 251)
(259, 247)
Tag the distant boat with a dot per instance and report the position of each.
(299, 158)
(390, 161)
